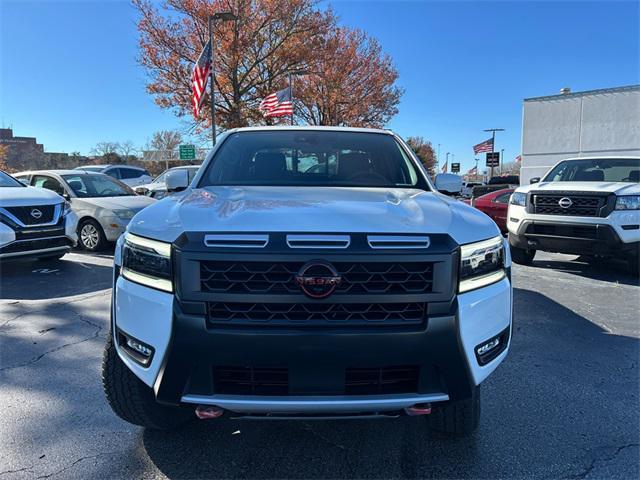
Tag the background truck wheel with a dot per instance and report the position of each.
(522, 256)
(90, 236)
(132, 400)
(457, 418)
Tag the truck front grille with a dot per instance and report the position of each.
(315, 314)
(279, 278)
(581, 205)
(38, 244)
(237, 380)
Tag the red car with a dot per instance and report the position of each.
(495, 204)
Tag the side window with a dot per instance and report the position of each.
(504, 198)
(43, 181)
(130, 173)
(113, 172)
(23, 179)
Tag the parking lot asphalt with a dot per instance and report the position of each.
(563, 405)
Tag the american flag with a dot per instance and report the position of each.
(444, 167)
(277, 104)
(473, 171)
(199, 78)
(518, 159)
(486, 146)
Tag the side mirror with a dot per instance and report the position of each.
(534, 180)
(141, 191)
(66, 196)
(177, 180)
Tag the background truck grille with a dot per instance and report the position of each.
(278, 278)
(574, 231)
(315, 314)
(24, 214)
(582, 206)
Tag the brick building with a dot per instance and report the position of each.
(25, 153)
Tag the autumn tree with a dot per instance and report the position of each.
(165, 140)
(348, 80)
(351, 82)
(270, 40)
(424, 151)
(4, 155)
(127, 149)
(103, 149)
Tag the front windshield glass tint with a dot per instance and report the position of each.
(92, 186)
(596, 170)
(312, 158)
(9, 181)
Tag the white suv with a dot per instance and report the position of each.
(34, 223)
(307, 272)
(583, 206)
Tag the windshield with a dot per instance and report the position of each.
(96, 185)
(596, 170)
(312, 158)
(9, 181)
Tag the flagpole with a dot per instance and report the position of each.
(293, 105)
(213, 80)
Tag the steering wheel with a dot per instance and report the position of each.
(362, 176)
(108, 191)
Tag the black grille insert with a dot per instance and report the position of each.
(372, 381)
(575, 231)
(315, 314)
(34, 215)
(278, 278)
(251, 381)
(581, 205)
(39, 244)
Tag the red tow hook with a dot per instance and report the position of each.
(205, 412)
(418, 409)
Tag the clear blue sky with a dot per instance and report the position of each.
(69, 74)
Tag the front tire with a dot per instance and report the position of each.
(522, 256)
(90, 236)
(457, 418)
(132, 400)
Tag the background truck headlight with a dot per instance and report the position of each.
(518, 198)
(147, 262)
(481, 264)
(628, 202)
(124, 214)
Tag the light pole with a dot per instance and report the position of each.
(501, 159)
(446, 164)
(476, 160)
(438, 159)
(225, 17)
(493, 143)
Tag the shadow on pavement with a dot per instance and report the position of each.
(564, 404)
(607, 270)
(36, 280)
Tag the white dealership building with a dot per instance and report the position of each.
(581, 124)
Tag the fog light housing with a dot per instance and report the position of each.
(139, 351)
(491, 348)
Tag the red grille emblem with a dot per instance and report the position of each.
(318, 279)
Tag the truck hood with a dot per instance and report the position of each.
(27, 196)
(311, 209)
(619, 188)
(135, 203)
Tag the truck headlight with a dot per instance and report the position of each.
(147, 262)
(628, 202)
(518, 198)
(481, 264)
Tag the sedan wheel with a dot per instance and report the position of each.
(91, 236)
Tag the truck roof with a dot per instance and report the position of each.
(311, 128)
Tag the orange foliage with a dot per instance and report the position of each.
(349, 80)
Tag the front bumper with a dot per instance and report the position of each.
(19, 242)
(187, 352)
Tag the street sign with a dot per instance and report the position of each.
(187, 152)
(493, 159)
(455, 167)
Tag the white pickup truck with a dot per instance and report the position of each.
(307, 272)
(583, 206)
